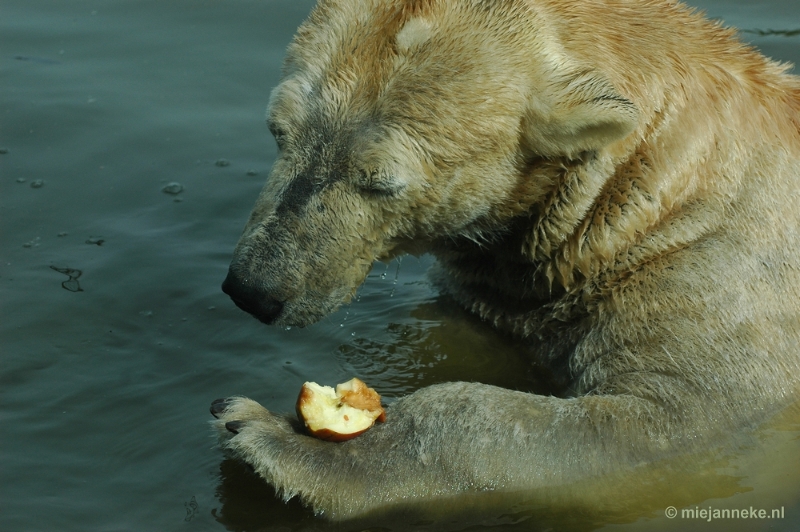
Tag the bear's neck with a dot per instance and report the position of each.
(603, 218)
(607, 214)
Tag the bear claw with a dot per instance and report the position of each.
(218, 407)
(234, 426)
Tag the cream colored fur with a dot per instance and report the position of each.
(617, 183)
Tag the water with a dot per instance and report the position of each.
(132, 146)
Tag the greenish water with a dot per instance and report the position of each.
(114, 334)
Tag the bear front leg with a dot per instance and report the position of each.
(449, 439)
(337, 480)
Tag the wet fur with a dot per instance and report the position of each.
(617, 183)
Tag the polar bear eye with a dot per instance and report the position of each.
(377, 184)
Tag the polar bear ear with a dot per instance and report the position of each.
(577, 113)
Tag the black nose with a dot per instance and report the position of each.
(250, 299)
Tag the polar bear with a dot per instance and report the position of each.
(615, 183)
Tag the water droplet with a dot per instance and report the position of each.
(172, 188)
(72, 283)
(33, 243)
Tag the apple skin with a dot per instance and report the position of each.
(341, 414)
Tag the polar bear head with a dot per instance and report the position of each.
(400, 123)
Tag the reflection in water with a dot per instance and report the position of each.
(248, 503)
(439, 342)
(436, 347)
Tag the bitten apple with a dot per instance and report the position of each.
(341, 414)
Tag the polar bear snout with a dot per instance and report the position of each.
(249, 298)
